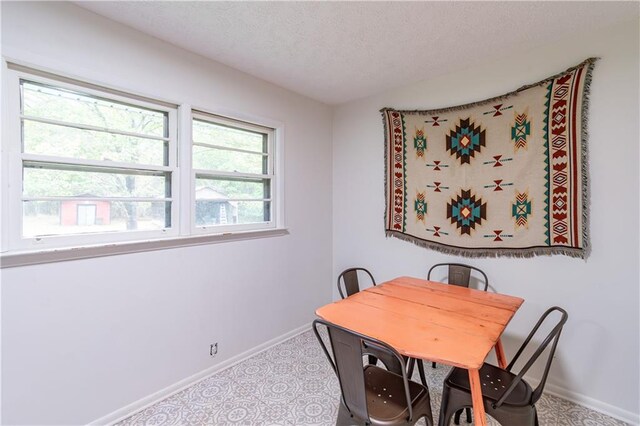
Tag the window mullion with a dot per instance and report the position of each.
(186, 188)
(212, 174)
(12, 166)
(96, 198)
(105, 165)
(248, 199)
(229, 122)
(226, 148)
(89, 127)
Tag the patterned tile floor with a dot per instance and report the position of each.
(293, 384)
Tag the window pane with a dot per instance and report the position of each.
(228, 161)
(72, 107)
(61, 141)
(83, 216)
(48, 182)
(211, 212)
(223, 189)
(215, 134)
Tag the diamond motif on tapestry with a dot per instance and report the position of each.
(465, 140)
(465, 211)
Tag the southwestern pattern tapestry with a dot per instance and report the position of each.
(502, 177)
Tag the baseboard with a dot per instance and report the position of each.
(587, 401)
(156, 397)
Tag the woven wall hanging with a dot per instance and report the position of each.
(503, 177)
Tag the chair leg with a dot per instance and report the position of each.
(344, 417)
(467, 411)
(423, 378)
(412, 363)
(456, 417)
(444, 419)
(527, 416)
(433, 365)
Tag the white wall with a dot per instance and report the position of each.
(83, 338)
(597, 361)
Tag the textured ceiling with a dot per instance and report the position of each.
(335, 52)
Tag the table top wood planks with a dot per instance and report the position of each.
(432, 321)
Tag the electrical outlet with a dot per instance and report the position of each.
(213, 349)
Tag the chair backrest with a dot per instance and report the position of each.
(349, 278)
(551, 338)
(348, 349)
(460, 274)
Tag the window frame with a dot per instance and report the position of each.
(14, 158)
(271, 174)
(17, 251)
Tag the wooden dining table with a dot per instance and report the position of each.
(432, 321)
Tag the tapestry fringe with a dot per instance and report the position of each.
(586, 196)
(589, 61)
(386, 165)
(488, 252)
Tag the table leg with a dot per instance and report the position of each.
(479, 416)
(502, 359)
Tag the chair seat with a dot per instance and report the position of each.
(494, 381)
(386, 400)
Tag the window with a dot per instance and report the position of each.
(97, 165)
(233, 173)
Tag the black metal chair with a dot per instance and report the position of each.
(458, 274)
(507, 396)
(372, 395)
(351, 283)
(349, 280)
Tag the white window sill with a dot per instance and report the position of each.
(26, 258)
